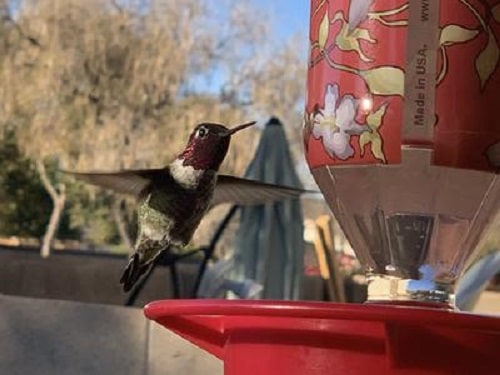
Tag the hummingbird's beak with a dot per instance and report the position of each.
(238, 128)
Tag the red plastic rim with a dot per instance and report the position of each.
(319, 310)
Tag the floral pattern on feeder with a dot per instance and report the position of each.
(403, 72)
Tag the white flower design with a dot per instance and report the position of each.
(335, 124)
(358, 11)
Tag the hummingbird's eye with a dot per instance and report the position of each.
(202, 132)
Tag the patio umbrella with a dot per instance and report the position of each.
(269, 242)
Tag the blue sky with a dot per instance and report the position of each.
(291, 16)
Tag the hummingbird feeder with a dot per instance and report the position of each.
(402, 138)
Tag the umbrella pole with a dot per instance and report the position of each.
(175, 280)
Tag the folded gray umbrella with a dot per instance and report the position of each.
(269, 242)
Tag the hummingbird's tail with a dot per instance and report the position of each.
(133, 272)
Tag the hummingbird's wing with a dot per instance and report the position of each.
(244, 192)
(130, 182)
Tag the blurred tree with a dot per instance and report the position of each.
(23, 198)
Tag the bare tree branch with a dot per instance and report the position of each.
(58, 199)
(117, 6)
(34, 41)
(42, 172)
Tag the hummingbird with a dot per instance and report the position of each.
(172, 200)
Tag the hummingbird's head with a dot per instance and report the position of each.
(208, 144)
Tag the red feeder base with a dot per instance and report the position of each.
(271, 337)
